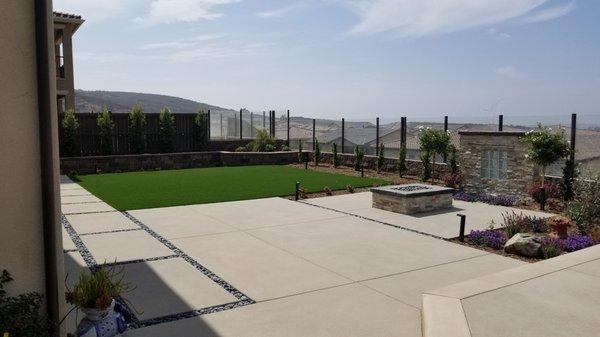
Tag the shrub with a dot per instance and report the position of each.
(453, 160)
(270, 148)
(380, 158)
(433, 141)
(262, 143)
(328, 191)
(166, 130)
(584, 210)
(545, 147)
(570, 173)
(551, 247)
(137, 129)
(535, 191)
(535, 224)
(464, 196)
(350, 188)
(317, 153)
(69, 129)
(594, 234)
(426, 170)
(240, 149)
(202, 126)
(286, 148)
(453, 180)
(577, 242)
(488, 238)
(22, 315)
(301, 154)
(359, 156)
(499, 200)
(402, 162)
(513, 224)
(105, 127)
(336, 158)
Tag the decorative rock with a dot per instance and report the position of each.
(524, 244)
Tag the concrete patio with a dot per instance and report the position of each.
(273, 267)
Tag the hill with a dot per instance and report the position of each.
(121, 102)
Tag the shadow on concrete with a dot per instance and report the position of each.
(438, 212)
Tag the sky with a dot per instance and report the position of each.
(351, 58)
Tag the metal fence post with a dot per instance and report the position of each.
(314, 136)
(403, 131)
(264, 122)
(573, 136)
(445, 131)
(500, 122)
(252, 125)
(288, 129)
(377, 136)
(208, 122)
(297, 190)
(343, 134)
(241, 123)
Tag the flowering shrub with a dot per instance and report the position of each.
(534, 190)
(552, 247)
(577, 242)
(464, 196)
(500, 200)
(453, 180)
(488, 238)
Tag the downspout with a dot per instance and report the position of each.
(49, 219)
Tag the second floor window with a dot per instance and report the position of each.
(493, 164)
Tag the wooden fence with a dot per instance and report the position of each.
(88, 142)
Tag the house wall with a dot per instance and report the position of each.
(520, 171)
(21, 226)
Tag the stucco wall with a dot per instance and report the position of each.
(21, 230)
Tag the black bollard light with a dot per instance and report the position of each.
(542, 198)
(306, 162)
(461, 233)
(362, 171)
(296, 197)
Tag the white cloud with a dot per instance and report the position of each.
(498, 35)
(416, 18)
(280, 12)
(212, 51)
(171, 11)
(509, 71)
(550, 13)
(181, 43)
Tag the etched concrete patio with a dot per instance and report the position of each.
(273, 267)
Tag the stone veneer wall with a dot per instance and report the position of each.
(520, 171)
(412, 205)
(169, 161)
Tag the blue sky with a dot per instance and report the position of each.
(352, 58)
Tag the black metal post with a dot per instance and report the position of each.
(264, 122)
(208, 122)
(297, 191)
(314, 136)
(273, 122)
(402, 132)
(461, 233)
(377, 136)
(241, 125)
(305, 161)
(251, 125)
(445, 131)
(343, 134)
(573, 136)
(288, 129)
(362, 170)
(500, 122)
(542, 198)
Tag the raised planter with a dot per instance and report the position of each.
(412, 198)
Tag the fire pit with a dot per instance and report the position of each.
(412, 198)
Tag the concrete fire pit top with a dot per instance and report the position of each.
(412, 190)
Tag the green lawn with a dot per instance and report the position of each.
(150, 189)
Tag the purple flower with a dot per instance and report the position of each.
(488, 238)
(577, 242)
(464, 196)
(502, 200)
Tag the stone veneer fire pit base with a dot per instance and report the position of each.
(412, 198)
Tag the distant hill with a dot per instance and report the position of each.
(121, 102)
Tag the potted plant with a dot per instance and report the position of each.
(95, 294)
(560, 226)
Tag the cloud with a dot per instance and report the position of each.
(509, 71)
(281, 12)
(416, 18)
(181, 43)
(498, 35)
(172, 11)
(212, 51)
(550, 13)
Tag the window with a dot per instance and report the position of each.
(493, 164)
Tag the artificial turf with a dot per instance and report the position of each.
(151, 189)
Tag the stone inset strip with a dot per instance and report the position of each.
(113, 231)
(134, 322)
(378, 221)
